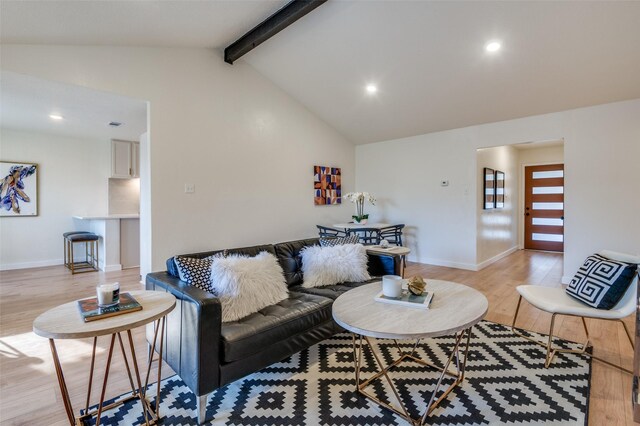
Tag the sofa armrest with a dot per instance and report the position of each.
(192, 334)
(380, 264)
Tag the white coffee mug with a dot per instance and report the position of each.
(392, 285)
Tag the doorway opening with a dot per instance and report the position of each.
(542, 201)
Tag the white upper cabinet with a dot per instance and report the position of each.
(125, 159)
(135, 159)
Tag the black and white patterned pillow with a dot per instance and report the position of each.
(196, 272)
(601, 282)
(338, 241)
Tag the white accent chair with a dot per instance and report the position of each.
(557, 302)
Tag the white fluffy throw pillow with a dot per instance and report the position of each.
(323, 266)
(247, 284)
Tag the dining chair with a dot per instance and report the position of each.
(556, 301)
(325, 231)
(393, 234)
(368, 236)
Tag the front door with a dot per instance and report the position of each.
(544, 207)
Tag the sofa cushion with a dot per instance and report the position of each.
(289, 257)
(324, 266)
(332, 291)
(252, 334)
(194, 271)
(249, 251)
(338, 241)
(247, 284)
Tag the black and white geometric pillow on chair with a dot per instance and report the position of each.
(601, 282)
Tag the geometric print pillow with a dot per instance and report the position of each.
(338, 241)
(196, 272)
(601, 282)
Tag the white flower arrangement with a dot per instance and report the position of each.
(359, 199)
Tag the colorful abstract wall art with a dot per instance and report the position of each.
(327, 185)
(18, 189)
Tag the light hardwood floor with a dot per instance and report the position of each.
(29, 392)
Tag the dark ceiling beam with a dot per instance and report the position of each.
(271, 26)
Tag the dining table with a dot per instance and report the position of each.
(356, 226)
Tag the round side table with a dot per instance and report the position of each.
(65, 322)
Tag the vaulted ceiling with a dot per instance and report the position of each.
(26, 103)
(427, 58)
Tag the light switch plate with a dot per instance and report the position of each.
(189, 188)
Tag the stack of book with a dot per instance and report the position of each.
(90, 310)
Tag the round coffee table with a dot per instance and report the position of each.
(454, 310)
(65, 322)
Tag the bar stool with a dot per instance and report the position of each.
(66, 244)
(90, 252)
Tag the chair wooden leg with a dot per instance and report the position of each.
(626, 330)
(515, 316)
(550, 351)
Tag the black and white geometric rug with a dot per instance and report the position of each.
(505, 383)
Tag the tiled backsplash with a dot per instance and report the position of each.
(124, 196)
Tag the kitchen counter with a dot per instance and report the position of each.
(119, 245)
(109, 216)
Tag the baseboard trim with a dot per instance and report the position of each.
(28, 265)
(480, 266)
(448, 264)
(112, 268)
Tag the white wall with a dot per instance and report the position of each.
(497, 228)
(533, 157)
(72, 180)
(602, 184)
(247, 146)
(405, 176)
(542, 155)
(601, 154)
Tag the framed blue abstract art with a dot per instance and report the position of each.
(18, 189)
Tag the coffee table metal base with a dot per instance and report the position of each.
(457, 359)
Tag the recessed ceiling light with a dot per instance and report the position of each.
(55, 117)
(493, 46)
(371, 89)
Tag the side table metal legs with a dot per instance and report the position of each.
(457, 357)
(151, 414)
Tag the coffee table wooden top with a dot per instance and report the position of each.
(65, 321)
(455, 307)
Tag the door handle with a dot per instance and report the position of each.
(561, 217)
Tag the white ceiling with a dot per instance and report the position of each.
(186, 23)
(26, 102)
(426, 57)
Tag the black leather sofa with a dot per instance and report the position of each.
(208, 354)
